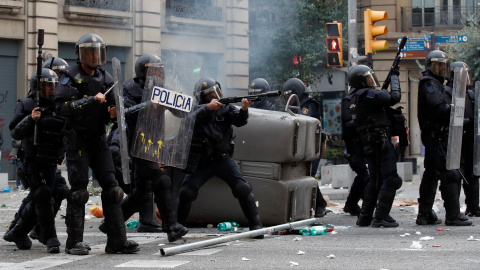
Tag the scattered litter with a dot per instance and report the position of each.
(4, 205)
(416, 245)
(436, 246)
(334, 232)
(96, 211)
(472, 239)
(245, 259)
(425, 238)
(402, 209)
(301, 252)
(210, 226)
(418, 233)
(6, 189)
(6, 226)
(297, 239)
(293, 263)
(331, 256)
(442, 229)
(161, 245)
(407, 234)
(403, 235)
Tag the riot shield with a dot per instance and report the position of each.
(165, 125)
(455, 130)
(122, 126)
(476, 132)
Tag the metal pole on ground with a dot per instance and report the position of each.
(269, 230)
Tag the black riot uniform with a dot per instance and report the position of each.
(354, 156)
(308, 107)
(433, 117)
(79, 97)
(211, 153)
(471, 187)
(40, 162)
(148, 177)
(374, 131)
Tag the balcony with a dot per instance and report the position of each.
(118, 5)
(194, 11)
(416, 18)
(105, 11)
(10, 7)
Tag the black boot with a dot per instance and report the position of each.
(35, 233)
(426, 215)
(356, 193)
(18, 235)
(174, 229)
(354, 210)
(114, 218)
(366, 214)
(459, 220)
(250, 211)
(75, 220)
(147, 222)
(48, 234)
(384, 205)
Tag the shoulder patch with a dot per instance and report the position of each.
(371, 94)
(65, 80)
(305, 111)
(430, 87)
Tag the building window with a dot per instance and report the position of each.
(210, 10)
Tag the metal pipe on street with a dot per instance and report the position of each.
(269, 230)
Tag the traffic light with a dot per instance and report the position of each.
(334, 44)
(371, 31)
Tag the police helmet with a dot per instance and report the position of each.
(205, 86)
(361, 76)
(454, 65)
(91, 51)
(258, 86)
(438, 64)
(294, 86)
(55, 63)
(146, 62)
(49, 78)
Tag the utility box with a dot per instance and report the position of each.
(274, 152)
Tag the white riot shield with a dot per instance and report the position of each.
(476, 137)
(455, 131)
(122, 126)
(165, 126)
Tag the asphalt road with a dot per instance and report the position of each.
(436, 247)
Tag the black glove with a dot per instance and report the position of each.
(396, 71)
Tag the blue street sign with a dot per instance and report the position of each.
(447, 39)
(414, 44)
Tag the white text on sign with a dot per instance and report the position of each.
(172, 99)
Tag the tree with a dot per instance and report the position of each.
(468, 52)
(283, 29)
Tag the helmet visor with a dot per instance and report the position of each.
(48, 86)
(92, 54)
(440, 67)
(371, 79)
(216, 88)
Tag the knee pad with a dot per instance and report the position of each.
(161, 182)
(452, 176)
(394, 182)
(42, 194)
(188, 194)
(242, 189)
(78, 197)
(112, 195)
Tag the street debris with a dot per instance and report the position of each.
(293, 263)
(245, 259)
(416, 245)
(301, 252)
(297, 239)
(331, 256)
(472, 239)
(425, 238)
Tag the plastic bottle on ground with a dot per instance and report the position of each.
(227, 226)
(132, 224)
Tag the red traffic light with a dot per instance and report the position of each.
(333, 44)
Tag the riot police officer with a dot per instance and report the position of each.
(80, 98)
(148, 177)
(212, 149)
(434, 118)
(56, 64)
(40, 161)
(471, 187)
(260, 86)
(308, 107)
(374, 131)
(354, 155)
